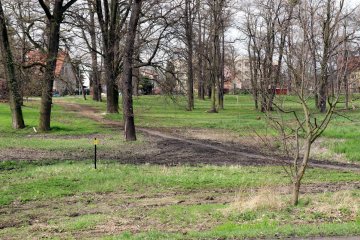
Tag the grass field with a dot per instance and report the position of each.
(62, 122)
(72, 200)
(239, 116)
(68, 199)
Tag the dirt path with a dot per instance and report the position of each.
(173, 149)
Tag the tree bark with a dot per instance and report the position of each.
(15, 98)
(189, 42)
(54, 22)
(130, 133)
(201, 85)
(324, 79)
(94, 64)
(111, 22)
(222, 68)
(300, 170)
(136, 71)
(49, 75)
(213, 97)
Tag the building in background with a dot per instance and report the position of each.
(353, 73)
(66, 76)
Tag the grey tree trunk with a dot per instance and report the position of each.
(189, 42)
(94, 64)
(222, 68)
(136, 71)
(128, 112)
(324, 79)
(201, 85)
(14, 91)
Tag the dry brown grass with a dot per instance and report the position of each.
(340, 205)
(261, 199)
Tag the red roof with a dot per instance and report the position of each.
(38, 57)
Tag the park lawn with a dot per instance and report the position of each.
(69, 199)
(72, 200)
(69, 131)
(239, 116)
(62, 121)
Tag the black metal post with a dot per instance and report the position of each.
(95, 152)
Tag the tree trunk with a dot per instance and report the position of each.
(201, 87)
(324, 80)
(130, 133)
(49, 75)
(94, 64)
(14, 91)
(135, 81)
(136, 71)
(110, 25)
(189, 42)
(300, 170)
(112, 91)
(54, 22)
(216, 58)
(222, 69)
(213, 98)
(347, 92)
(296, 192)
(322, 96)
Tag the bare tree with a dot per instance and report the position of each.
(189, 16)
(130, 134)
(112, 17)
(95, 74)
(201, 51)
(216, 10)
(54, 21)
(301, 127)
(266, 26)
(13, 84)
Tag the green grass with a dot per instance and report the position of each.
(29, 182)
(79, 223)
(319, 216)
(62, 122)
(238, 117)
(71, 200)
(259, 230)
(163, 111)
(69, 132)
(287, 222)
(101, 197)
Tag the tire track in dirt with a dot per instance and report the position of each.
(239, 155)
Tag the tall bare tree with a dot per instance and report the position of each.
(266, 26)
(130, 134)
(53, 38)
(189, 16)
(216, 32)
(300, 129)
(9, 65)
(112, 17)
(95, 74)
